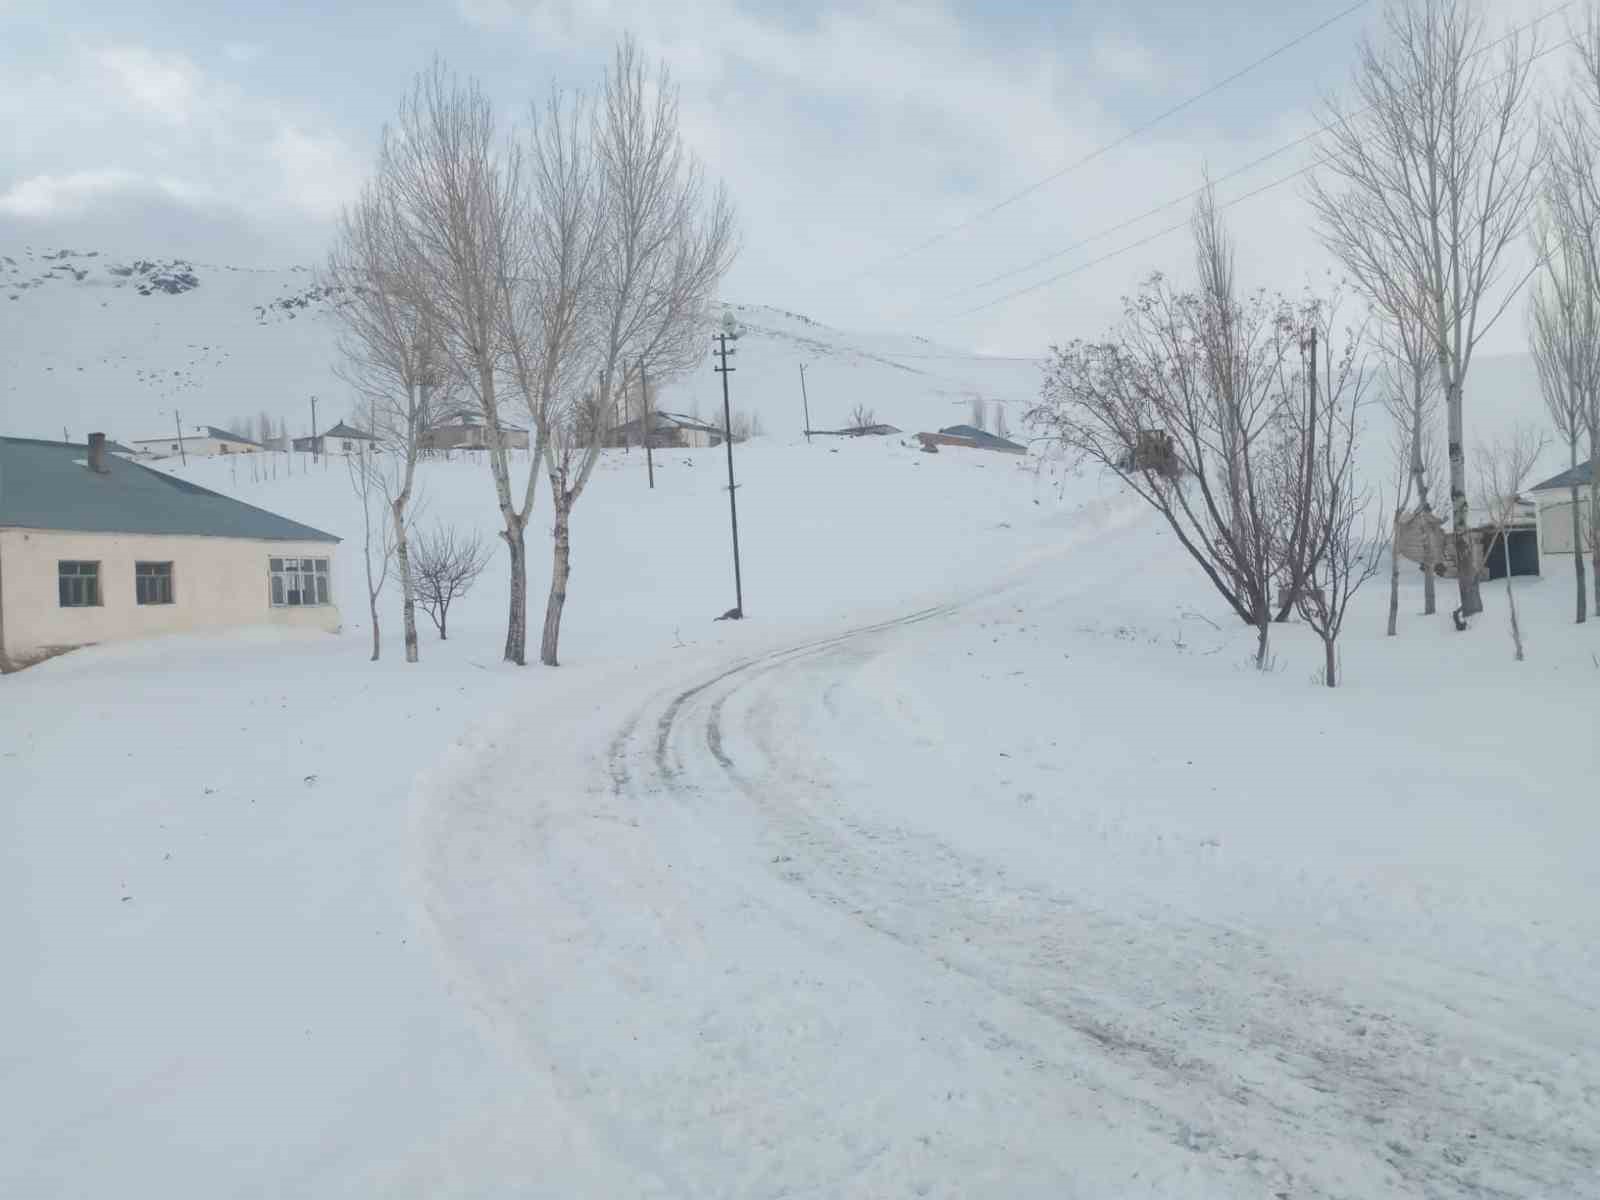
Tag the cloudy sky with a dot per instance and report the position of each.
(861, 141)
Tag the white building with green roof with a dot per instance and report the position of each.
(94, 548)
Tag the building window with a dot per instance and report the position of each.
(79, 583)
(347, 445)
(153, 582)
(297, 582)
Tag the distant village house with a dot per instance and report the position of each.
(341, 439)
(464, 431)
(207, 442)
(94, 548)
(667, 430)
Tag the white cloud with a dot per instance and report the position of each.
(127, 126)
(1122, 58)
(167, 86)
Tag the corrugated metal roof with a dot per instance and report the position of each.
(1580, 475)
(983, 437)
(46, 485)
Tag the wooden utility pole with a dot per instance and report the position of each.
(644, 424)
(806, 401)
(722, 351)
(177, 422)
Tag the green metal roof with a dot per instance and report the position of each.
(46, 485)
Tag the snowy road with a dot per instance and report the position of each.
(800, 928)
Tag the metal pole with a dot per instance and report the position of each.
(733, 505)
(805, 400)
(313, 429)
(644, 423)
(177, 423)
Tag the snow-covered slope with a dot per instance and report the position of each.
(92, 340)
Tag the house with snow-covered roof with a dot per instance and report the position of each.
(94, 548)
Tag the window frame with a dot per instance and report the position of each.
(291, 577)
(77, 576)
(140, 576)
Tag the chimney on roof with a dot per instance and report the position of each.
(97, 453)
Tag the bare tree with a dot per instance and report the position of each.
(459, 198)
(1503, 469)
(446, 564)
(1410, 397)
(862, 418)
(978, 413)
(389, 353)
(1426, 178)
(1348, 552)
(664, 242)
(1572, 187)
(1001, 428)
(1564, 338)
(377, 534)
(1206, 376)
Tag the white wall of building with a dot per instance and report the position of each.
(1555, 521)
(217, 583)
(200, 447)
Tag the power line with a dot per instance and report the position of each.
(1237, 171)
(1144, 241)
(1106, 148)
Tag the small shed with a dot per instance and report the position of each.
(1554, 500)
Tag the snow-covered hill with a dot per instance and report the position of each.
(92, 340)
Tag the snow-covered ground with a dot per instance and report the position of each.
(976, 862)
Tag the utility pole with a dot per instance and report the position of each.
(644, 423)
(313, 429)
(177, 423)
(805, 400)
(722, 351)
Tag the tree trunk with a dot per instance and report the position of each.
(560, 571)
(408, 596)
(1466, 573)
(444, 614)
(1394, 577)
(1516, 628)
(1331, 665)
(1263, 632)
(1577, 546)
(372, 603)
(517, 621)
(1419, 480)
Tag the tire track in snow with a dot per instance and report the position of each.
(1319, 1068)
